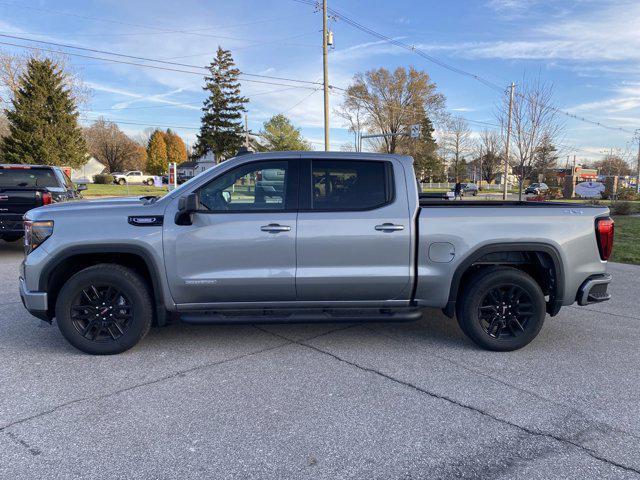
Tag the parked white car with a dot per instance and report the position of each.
(135, 177)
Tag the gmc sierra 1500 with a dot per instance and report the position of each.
(309, 236)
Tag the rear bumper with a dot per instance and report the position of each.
(35, 302)
(11, 224)
(594, 289)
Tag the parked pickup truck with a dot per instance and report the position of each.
(309, 236)
(135, 177)
(23, 187)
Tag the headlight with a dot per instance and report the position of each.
(36, 232)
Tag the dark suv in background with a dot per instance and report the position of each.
(23, 187)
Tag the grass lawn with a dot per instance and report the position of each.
(97, 190)
(626, 246)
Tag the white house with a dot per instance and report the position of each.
(85, 173)
(194, 167)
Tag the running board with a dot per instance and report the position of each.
(298, 316)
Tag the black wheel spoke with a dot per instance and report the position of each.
(505, 311)
(101, 313)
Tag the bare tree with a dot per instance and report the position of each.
(534, 119)
(392, 101)
(491, 158)
(112, 147)
(457, 143)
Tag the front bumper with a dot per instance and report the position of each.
(594, 289)
(35, 302)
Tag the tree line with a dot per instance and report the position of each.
(40, 124)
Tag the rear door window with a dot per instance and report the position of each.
(350, 185)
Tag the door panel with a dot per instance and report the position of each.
(229, 258)
(354, 255)
(240, 245)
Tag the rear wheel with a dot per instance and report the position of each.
(502, 309)
(104, 309)
(149, 182)
(122, 181)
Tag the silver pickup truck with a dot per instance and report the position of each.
(309, 236)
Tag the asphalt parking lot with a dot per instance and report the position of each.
(411, 400)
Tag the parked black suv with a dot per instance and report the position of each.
(23, 187)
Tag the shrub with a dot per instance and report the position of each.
(554, 193)
(628, 194)
(103, 178)
(621, 208)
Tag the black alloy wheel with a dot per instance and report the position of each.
(505, 311)
(101, 313)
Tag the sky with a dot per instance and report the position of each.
(588, 50)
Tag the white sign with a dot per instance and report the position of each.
(589, 189)
(415, 131)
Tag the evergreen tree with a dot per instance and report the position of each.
(43, 123)
(221, 128)
(280, 135)
(157, 154)
(176, 149)
(428, 164)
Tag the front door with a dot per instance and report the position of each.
(354, 232)
(240, 246)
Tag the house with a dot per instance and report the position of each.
(86, 172)
(194, 167)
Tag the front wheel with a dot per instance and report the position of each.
(502, 309)
(104, 309)
(149, 182)
(122, 181)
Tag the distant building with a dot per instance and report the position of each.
(86, 172)
(194, 167)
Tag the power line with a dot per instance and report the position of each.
(146, 59)
(156, 28)
(418, 51)
(157, 67)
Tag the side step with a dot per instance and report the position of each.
(216, 317)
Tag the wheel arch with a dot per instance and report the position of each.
(545, 258)
(73, 259)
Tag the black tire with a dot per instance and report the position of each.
(122, 181)
(11, 238)
(88, 293)
(502, 309)
(149, 182)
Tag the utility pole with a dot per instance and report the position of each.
(246, 131)
(638, 166)
(512, 87)
(325, 70)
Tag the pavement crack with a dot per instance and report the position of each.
(32, 450)
(179, 373)
(632, 317)
(534, 432)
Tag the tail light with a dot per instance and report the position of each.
(46, 198)
(604, 236)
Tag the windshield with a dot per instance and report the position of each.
(28, 177)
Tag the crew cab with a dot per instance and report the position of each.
(24, 187)
(309, 236)
(134, 177)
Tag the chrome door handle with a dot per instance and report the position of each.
(389, 227)
(275, 228)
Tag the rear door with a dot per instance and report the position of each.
(354, 235)
(240, 246)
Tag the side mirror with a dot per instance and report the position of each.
(187, 205)
(227, 196)
(81, 187)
